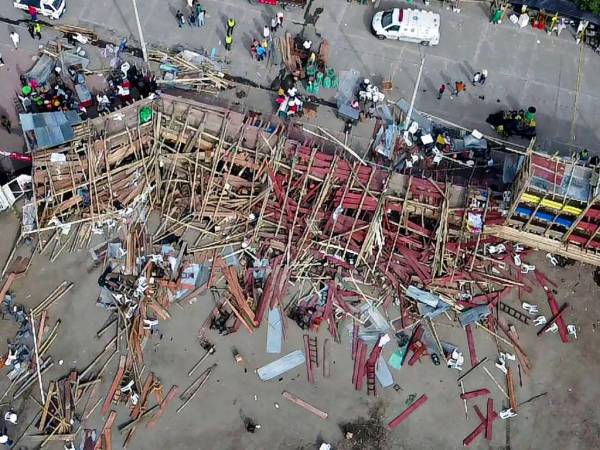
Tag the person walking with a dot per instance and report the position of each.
(484, 75)
(228, 42)
(37, 30)
(230, 26)
(180, 18)
(441, 91)
(14, 37)
(459, 87)
(5, 122)
(280, 19)
(274, 25)
(192, 19)
(266, 32)
(476, 78)
(31, 31)
(1, 60)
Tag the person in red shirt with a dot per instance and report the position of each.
(32, 10)
(441, 91)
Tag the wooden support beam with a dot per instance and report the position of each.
(407, 412)
(163, 406)
(307, 406)
(115, 385)
(105, 433)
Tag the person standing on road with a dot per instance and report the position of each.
(5, 122)
(9, 416)
(459, 87)
(280, 19)
(274, 25)
(266, 32)
(180, 18)
(441, 91)
(4, 439)
(230, 26)
(37, 30)
(260, 52)
(32, 10)
(228, 42)
(484, 75)
(14, 37)
(199, 15)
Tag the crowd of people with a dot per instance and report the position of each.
(58, 93)
(259, 49)
(195, 17)
(290, 103)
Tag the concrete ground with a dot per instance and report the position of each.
(526, 66)
(565, 418)
(522, 71)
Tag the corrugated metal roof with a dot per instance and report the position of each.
(50, 129)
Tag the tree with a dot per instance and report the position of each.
(590, 5)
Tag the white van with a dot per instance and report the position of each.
(411, 25)
(48, 8)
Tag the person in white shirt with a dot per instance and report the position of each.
(10, 416)
(4, 439)
(14, 36)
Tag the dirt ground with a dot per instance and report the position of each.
(566, 418)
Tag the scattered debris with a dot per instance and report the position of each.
(365, 433)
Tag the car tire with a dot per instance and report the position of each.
(381, 37)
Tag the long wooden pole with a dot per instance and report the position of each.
(37, 358)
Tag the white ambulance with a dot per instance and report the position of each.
(411, 25)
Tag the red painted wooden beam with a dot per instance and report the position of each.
(472, 394)
(479, 429)
(407, 412)
(488, 419)
(471, 345)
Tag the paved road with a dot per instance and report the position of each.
(526, 67)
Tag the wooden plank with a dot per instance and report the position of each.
(114, 386)
(46, 408)
(473, 394)
(48, 438)
(471, 345)
(106, 429)
(488, 419)
(479, 429)
(41, 326)
(511, 390)
(407, 412)
(307, 406)
(7, 284)
(163, 406)
(542, 243)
